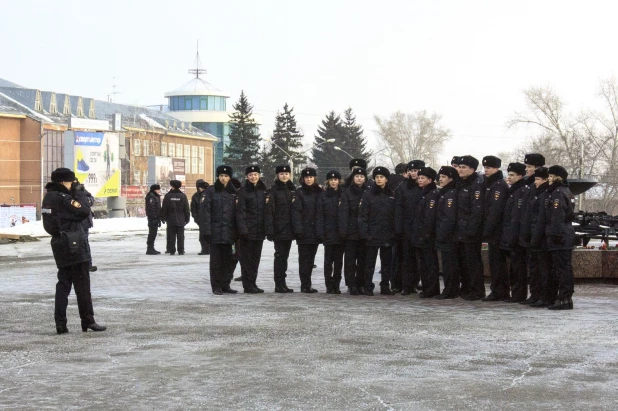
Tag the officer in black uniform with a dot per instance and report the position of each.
(469, 228)
(176, 214)
(355, 251)
(560, 235)
(424, 233)
(253, 195)
(533, 234)
(509, 242)
(446, 218)
(63, 213)
(222, 221)
(153, 213)
(306, 218)
(354, 164)
(278, 221)
(494, 193)
(200, 186)
(377, 227)
(334, 246)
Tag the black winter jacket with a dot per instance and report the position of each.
(254, 198)
(329, 231)
(195, 205)
(307, 215)
(446, 217)
(153, 206)
(525, 231)
(64, 213)
(558, 218)
(376, 217)
(513, 214)
(533, 229)
(222, 214)
(89, 222)
(175, 209)
(424, 227)
(348, 212)
(469, 228)
(406, 196)
(278, 217)
(396, 180)
(495, 192)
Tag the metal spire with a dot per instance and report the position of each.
(197, 63)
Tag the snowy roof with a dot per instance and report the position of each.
(197, 87)
(6, 83)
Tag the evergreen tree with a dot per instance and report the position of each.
(325, 157)
(354, 140)
(243, 147)
(286, 137)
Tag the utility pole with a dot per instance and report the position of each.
(581, 175)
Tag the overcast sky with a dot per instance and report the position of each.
(467, 60)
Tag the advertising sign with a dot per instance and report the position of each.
(11, 216)
(96, 162)
(163, 169)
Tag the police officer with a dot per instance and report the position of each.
(424, 233)
(253, 195)
(406, 197)
(377, 228)
(63, 213)
(278, 221)
(560, 235)
(354, 164)
(153, 213)
(222, 220)
(469, 228)
(334, 246)
(176, 214)
(446, 218)
(533, 233)
(200, 186)
(306, 218)
(400, 176)
(494, 193)
(509, 242)
(355, 251)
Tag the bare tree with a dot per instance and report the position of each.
(410, 136)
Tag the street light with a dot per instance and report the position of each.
(290, 158)
(343, 151)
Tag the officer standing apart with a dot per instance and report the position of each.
(63, 214)
(278, 221)
(153, 213)
(200, 186)
(175, 212)
(333, 244)
(446, 219)
(377, 224)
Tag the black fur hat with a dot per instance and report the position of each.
(175, 183)
(283, 169)
(415, 165)
(542, 172)
(252, 169)
(492, 161)
(468, 161)
(359, 170)
(518, 168)
(448, 171)
(558, 171)
(358, 162)
(534, 159)
(225, 170)
(455, 160)
(62, 174)
(155, 187)
(333, 174)
(381, 171)
(309, 172)
(428, 172)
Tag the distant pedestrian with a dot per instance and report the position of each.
(153, 213)
(200, 186)
(176, 214)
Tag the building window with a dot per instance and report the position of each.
(66, 109)
(194, 160)
(187, 157)
(211, 102)
(146, 147)
(203, 103)
(136, 176)
(188, 103)
(179, 150)
(91, 112)
(171, 152)
(164, 149)
(201, 161)
(52, 152)
(137, 147)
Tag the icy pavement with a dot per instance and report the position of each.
(171, 344)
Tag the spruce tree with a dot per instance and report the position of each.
(286, 137)
(244, 144)
(325, 157)
(354, 140)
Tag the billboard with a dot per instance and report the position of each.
(11, 216)
(163, 169)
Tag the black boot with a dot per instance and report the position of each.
(386, 291)
(566, 304)
(94, 327)
(152, 251)
(353, 290)
(336, 289)
(62, 329)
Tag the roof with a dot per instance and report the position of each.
(6, 83)
(197, 87)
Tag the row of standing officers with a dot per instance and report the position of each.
(410, 220)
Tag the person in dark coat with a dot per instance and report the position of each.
(400, 177)
(176, 214)
(355, 251)
(222, 221)
(424, 233)
(354, 164)
(469, 228)
(495, 195)
(307, 224)
(406, 197)
(63, 211)
(334, 246)
(509, 241)
(153, 214)
(377, 227)
(446, 219)
(253, 194)
(278, 223)
(560, 235)
(533, 232)
(200, 186)
(89, 222)
(236, 251)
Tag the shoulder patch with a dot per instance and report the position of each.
(449, 202)
(496, 194)
(477, 194)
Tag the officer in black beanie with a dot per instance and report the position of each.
(175, 212)
(153, 213)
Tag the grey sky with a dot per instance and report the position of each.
(468, 60)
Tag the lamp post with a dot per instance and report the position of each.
(290, 158)
(343, 151)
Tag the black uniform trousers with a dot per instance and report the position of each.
(539, 266)
(306, 259)
(282, 252)
(354, 257)
(562, 272)
(153, 227)
(236, 253)
(220, 263)
(398, 264)
(175, 234)
(78, 276)
(250, 255)
(534, 275)
(428, 265)
(333, 263)
(410, 275)
(450, 272)
(518, 273)
(386, 256)
(204, 244)
(498, 270)
(471, 263)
